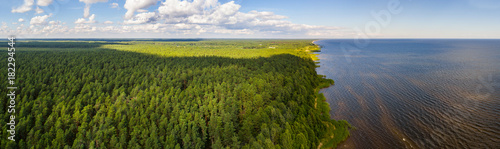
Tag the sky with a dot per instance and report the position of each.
(250, 18)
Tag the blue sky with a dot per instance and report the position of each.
(250, 18)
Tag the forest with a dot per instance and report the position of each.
(169, 94)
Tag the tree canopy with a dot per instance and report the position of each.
(147, 94)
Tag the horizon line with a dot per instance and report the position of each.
(71, 38)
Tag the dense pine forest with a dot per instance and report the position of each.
(169, 94)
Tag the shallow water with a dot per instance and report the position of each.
(421, 93)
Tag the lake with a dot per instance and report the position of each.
(415, 93)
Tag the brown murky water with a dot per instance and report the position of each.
(415, 93)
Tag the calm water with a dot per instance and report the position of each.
(415, 93)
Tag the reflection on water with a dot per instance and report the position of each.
(415, 93)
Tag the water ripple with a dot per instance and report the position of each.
(416, 93)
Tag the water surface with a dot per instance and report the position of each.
(415, 93)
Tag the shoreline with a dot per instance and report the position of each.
(315, 41)
(330, 139)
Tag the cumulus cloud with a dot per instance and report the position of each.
(179, 8)
(20, 20)
(44, 2)
(187, 18)
(80, 21)
(210, 16)
(146, 17)
(226, 17)
(38, 10)
(82, 28)
(27, 6)
(114, 5)
(83, 21)
(218, 15)
(88, 3)
(39, 20)
(133, 5)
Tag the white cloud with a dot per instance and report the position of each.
(146, 17)
(38, 10)
(54, 22)
(80, 21)
(27, 6)
(44, 2)
(227, 31)
(184, 8)
(114, 5)
(53, 29)
(45, 30)
(20, 20)
(88, 3)
(227, 17)
(219, 14)
(265, 15)
(183, 26)
(84, 28)
(83, 21)
(4, 26)
(39, 20)
(134, 5)
(179, 18)
(142, 10)
(145, 28)
(92, 1)
(195, 17)
(226, 9)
